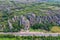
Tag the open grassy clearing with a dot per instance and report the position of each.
(8, 38)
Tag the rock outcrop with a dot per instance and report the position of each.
(25, 22)
(10, 24)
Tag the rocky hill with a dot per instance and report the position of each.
(15, 16)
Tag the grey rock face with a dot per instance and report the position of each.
(38, 19)
(15, 18)
(1, 28)
(32, 18)
(10, 24)
(25, 22)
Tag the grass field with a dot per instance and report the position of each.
(12, 37)
(32, 38)
(8, 39)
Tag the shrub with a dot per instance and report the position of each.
(55, 29)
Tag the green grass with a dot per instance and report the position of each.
(32, 38)
(12, 37)
(37, 30)
(8, 38)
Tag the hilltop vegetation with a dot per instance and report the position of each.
(37, 15)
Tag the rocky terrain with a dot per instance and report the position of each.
(15, 16)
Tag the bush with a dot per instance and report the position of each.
(5, 36)
(42, 26)
(55, 29)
